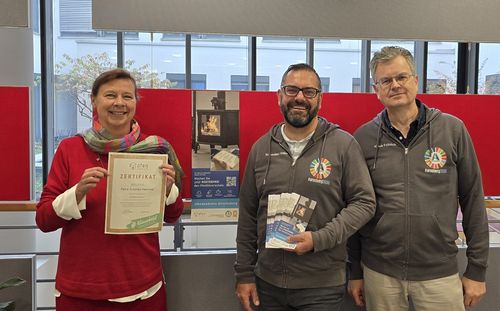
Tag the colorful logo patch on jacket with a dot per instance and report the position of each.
(435, 158)
(320, 169)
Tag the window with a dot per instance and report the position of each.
(339, 61)
(75, 20)
(442, 67)
(274, 55)
(76, 64)
(75, 17)
(219, 57)
(489, 68)
(356, 85)
(35, 16)
(325, 84)
(377, 45)
(198, 36)
(240, 83)
(436, 86)
(198, 81)
(149, 58)
(492, 84)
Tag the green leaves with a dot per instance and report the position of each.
(75, 76)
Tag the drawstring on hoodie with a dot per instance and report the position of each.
(429, 137)
(320, 168)
(268, 161)
(268, 165)
(377, 146)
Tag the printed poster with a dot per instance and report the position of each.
(215, 156)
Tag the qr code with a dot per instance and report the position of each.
(231, 181)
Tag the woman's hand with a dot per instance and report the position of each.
(169, 175)
(89, 180)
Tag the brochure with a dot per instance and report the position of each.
(288, 214)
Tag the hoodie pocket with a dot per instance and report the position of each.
(427, 242)
(271, 259)
(387, 238)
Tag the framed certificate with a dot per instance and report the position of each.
(135, 197)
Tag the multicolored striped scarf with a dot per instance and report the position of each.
(99, 140)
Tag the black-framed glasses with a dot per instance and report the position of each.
(308, 92)
(401, 79)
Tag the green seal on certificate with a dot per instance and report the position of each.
(145, 222)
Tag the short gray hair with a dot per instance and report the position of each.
(387, 54)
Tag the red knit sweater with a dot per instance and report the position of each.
(94, 265)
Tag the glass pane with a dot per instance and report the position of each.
(338, 63)
(442, 67)
(216, 58)
(275, 54)
(489, 68)
(80, 55)
(151, 57)
(36, 101)
(378, 45)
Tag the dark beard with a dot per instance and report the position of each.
(296, 120)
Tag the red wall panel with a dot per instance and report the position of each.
(167, 113)
(15, 144)
(259, 111)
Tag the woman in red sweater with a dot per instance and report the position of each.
(98, 271)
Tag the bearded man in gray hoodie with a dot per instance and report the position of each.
(424, 168)
(312, 157)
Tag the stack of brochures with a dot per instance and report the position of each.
(287, 214)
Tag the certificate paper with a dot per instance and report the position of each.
(135, 197)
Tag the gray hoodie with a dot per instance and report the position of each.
(419, 190)
(342, 188)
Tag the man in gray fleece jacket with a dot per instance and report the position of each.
(314, 158)
(424, 168)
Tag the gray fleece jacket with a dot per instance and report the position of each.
(330, 170)
(419, 190)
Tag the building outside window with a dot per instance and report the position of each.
(240, 83)
(489, 68)
(442, 68)
(339, 61)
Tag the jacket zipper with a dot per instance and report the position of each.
(283, 255)
(404, 272)
(290, 187)
(407, 211)
(406, 262)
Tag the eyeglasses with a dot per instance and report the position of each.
(401, 79)
(308, 92)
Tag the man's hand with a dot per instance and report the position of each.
(355, 289)
(304, 242)
(473, 291)
(245, 292)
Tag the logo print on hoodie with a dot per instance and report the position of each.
(435, 158)
(320, 169)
